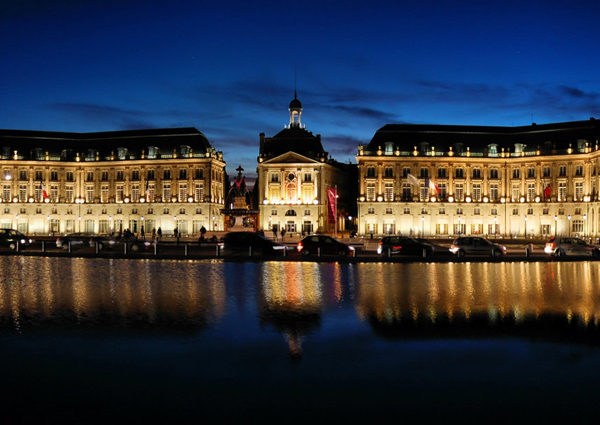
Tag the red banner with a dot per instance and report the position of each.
(332, 205)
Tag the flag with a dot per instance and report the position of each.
(412, 179)
(44, 192)
(331, 208)
(431, 185)
(547, 191)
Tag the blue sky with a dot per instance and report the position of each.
(230, 68)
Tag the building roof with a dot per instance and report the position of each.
(293, 139)
(25, 142)
(557, 136)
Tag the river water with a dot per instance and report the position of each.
(97, 340)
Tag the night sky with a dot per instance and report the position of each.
(230, 68)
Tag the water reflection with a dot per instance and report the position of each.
(291, 299)
(529, 299)
(109, 292)
(294, 298)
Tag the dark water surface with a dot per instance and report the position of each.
(151, 341)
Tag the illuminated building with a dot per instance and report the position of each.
(55, 183)
(294, 176)
(444, 181)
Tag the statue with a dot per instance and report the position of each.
(237, 192)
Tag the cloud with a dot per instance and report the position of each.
(101, 116)
(341, 147)
(572, 91)
(558, 101)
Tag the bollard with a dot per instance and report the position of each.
(389, 252)
(186, 250)
(43, 246)
(97, 247)
(284, 252)
(250, 250)
(156, 247)
(424, 252)
(17, 248)
(69, 245)
(125, 248)
(527, 252)
(217, 250)
(318, 251)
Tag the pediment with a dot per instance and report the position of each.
(291, 158)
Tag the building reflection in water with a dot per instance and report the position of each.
(101, 292)
(418, 300)
(294, 294)
(548, 300)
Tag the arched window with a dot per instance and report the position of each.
(290, 213)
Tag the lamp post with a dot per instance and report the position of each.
(525, 227)
(423, 226)
(496, 227)
(569, 222)
(79, 201)
(555, 224)
(459, 225)
(584, 225)
(214, 223)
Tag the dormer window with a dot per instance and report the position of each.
(184, 150)
(122, 153)
(389, 148)
(38, 154)
(152, 152)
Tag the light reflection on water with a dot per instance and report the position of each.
(373, 337)
(176, 293)
(47, 290)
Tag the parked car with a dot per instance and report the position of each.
(395, 245)
(10, 238)
(476, 245)
(77, 240)
(325, 245)
(560, 247)
(103, 242)
(249, 243)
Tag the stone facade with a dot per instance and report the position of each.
(294, 176)
(446, 181)
(55, 183)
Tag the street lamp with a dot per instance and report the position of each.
(569, 217)
(459, 225)
(584, 223)
(423, 226)
(214, 223)
(525, 227)
(555, 224)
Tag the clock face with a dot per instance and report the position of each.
(291, 176)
